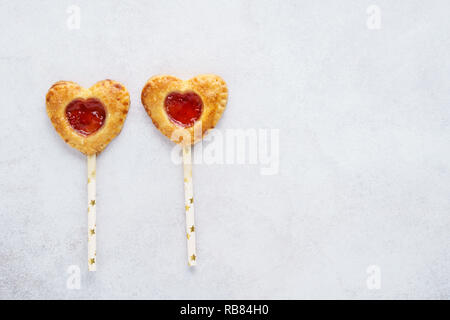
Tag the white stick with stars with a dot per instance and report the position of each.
(189, 205)
(92, 250)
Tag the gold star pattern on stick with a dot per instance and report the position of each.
(92, 237)
(193, 257)
(192, 229)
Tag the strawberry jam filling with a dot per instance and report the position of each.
(183, 108)
(86, 116)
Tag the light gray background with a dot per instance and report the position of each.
(364, 151)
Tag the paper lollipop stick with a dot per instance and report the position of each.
(92, 213)
(176, 105)
(88, 119)
(189, 205)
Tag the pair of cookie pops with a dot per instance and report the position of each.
(88, 119)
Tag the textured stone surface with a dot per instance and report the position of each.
(364, 173)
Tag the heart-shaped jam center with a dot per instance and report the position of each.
(86, 116)
(183, 108)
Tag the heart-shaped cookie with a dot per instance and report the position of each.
(88, 119)
(189, 106)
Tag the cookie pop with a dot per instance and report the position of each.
(184, 111)
(88, 119)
